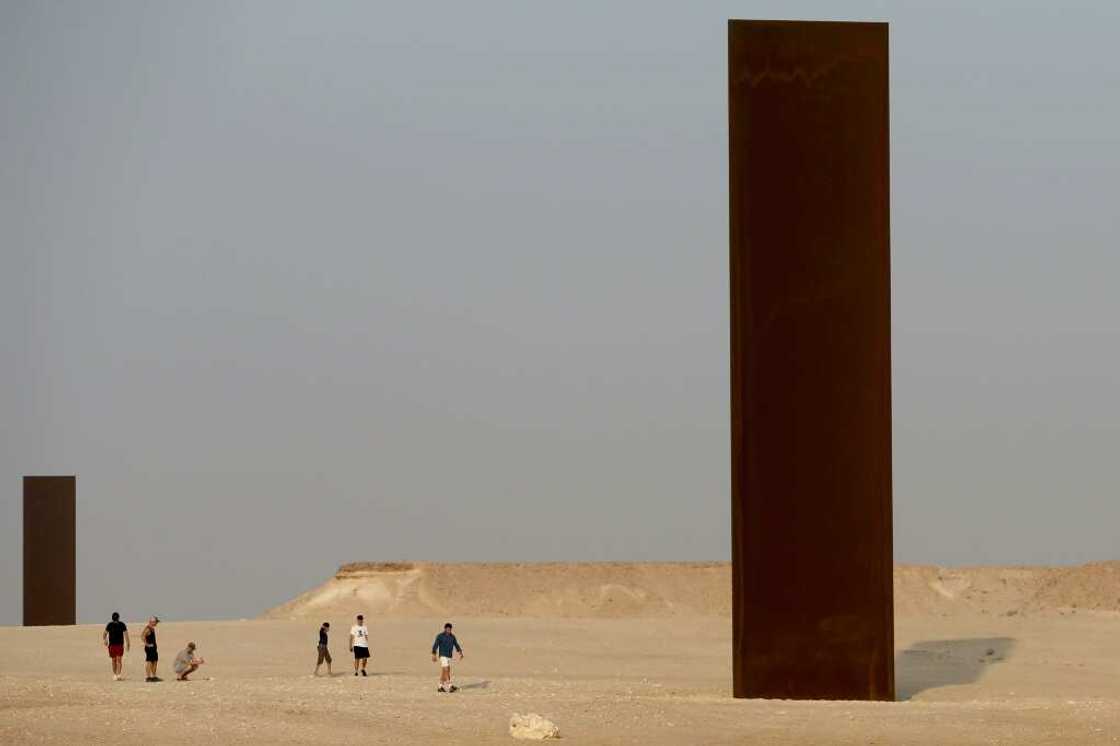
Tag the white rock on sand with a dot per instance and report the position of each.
(532, 727)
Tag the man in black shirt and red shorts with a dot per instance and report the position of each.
(116, 640)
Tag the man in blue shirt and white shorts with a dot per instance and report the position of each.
(442, 650)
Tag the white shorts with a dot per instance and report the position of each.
(444, 662)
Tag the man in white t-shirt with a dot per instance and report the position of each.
(359, 644)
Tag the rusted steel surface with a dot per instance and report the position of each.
(810, 360)
(49, 559)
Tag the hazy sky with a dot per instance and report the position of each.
(289, 284)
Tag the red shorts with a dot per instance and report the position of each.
(116, 651)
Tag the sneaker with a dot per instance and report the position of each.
(441, 689)
(363, 672)
(355, 673)
(453, 688)
(156, 678)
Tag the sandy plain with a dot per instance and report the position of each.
(964, 676)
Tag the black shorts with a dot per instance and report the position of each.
(151, 654)
(360, 652)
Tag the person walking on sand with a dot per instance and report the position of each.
(186, 662)
(324, 653)
(151, 652)
(443, 648)
(359, 645)
(116, 641)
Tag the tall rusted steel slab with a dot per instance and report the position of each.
(49, 556)
(810, 360)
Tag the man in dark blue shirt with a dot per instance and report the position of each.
(442, 650)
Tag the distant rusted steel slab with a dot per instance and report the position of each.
(810, 360)
(49, 558)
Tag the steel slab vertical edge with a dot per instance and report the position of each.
(810, 360)
(49, 556)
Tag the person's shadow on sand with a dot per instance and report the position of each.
(934, 663)
(476, 685)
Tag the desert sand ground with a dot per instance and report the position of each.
(1038, 675)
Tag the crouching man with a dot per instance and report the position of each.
(186, 662)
